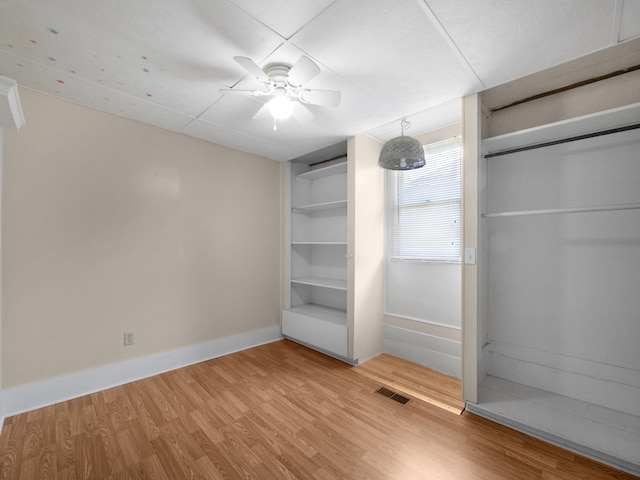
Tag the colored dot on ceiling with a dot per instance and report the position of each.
(149, 95)
(54, 31)
(73, 71)
(145, 70)
(60, 81)
(9, 45)
(33, 41)
(144, 58)
(52, 59)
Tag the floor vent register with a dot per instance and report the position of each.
(392, 395)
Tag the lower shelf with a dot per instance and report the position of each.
(605, 435)
(323, 327)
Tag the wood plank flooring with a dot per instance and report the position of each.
(415, 380)
(278, 411)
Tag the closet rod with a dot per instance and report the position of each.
(563, 140)
(603, 208)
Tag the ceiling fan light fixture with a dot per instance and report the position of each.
(402, 153)
(280, 107)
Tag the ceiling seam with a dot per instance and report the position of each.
(328, 7)
(436, 22)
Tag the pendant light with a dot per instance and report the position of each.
(402, 153)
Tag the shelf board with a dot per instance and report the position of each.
(315, 207)
(321, 282)
(320, 312)
(336, 169)
(319, 243)
(616, 117)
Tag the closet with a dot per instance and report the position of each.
(560, 276)
(334, 250)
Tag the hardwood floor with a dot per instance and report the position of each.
(415, 380)
(278, 411)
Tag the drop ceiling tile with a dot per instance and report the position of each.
(390, 50)
(503, 39)
(203, 31)
(284, 16)
(629, 20)
(80, 91)
(448, 113)
(281, 145)
(236, 140)
(174, 57)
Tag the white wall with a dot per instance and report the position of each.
(112, 225)
(425, 291)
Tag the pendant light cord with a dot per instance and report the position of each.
(404, 125)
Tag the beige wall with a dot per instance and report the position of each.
(112, 225)
(365, 290)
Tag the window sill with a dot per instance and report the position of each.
(425, 260)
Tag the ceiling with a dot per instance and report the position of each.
(163, 62)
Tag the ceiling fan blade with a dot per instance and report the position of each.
(324, 98)
(251, 67)
(302, 113)
(248, 93)
(304, 70)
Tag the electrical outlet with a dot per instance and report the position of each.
(128, 338)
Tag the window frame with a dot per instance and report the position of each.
(393, 191)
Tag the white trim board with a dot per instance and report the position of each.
(610, 386)
(436, 353)
(54, 390)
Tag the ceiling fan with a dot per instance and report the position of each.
(285, 84)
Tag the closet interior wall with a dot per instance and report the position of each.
(562, 291)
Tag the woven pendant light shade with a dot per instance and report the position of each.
(402, 153)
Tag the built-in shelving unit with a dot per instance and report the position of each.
(317, 311)
(330, 303)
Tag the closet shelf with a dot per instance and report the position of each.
(315, 207)
(551, 211)
(335, 169)
(321, 282)
(318, 243)
(616, 117)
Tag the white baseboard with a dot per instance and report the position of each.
(54, 390)
(440, 354)
(610, 386)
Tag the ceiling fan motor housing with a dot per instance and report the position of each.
(278, 72)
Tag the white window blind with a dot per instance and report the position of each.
(425, 208)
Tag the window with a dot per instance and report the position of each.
(425, 207)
